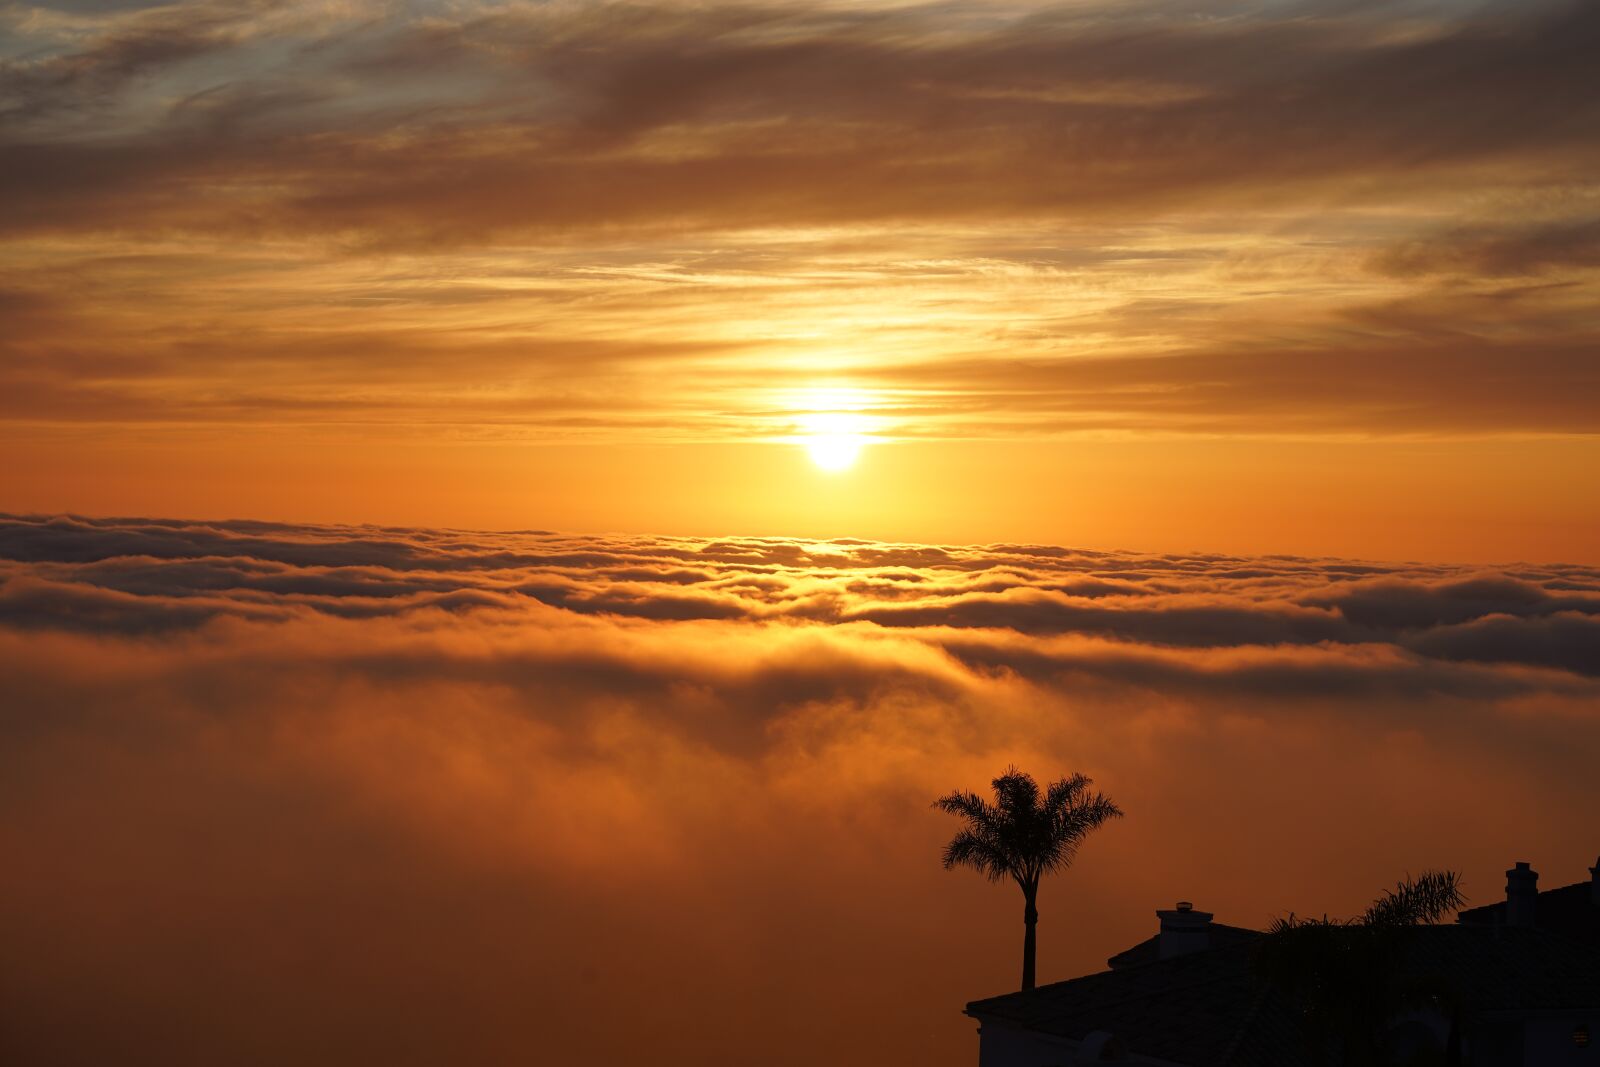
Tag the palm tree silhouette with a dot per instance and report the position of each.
(1024, 835)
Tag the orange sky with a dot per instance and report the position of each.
(1315, 279)
(1491, 501)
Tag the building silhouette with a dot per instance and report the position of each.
(1512, 984)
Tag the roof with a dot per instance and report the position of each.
(1149, 950)
(1569, 909)
(1506, 968)
(1211, 1008)
(1203, 1008)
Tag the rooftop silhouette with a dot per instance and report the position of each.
(1515, 983)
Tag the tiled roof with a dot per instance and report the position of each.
(1502, 968)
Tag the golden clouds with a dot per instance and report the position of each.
(345, 792)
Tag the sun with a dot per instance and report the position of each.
(833, 438)
(834, 451)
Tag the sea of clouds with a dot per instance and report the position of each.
(280, 793)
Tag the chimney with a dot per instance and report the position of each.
(1183, 930)
(1594, 884)
(1522, 894)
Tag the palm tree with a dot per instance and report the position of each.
(1345, 975)
(1024, 835)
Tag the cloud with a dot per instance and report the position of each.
(89, 573)
(1497, 251)
(1398, 604)
(1568, 640)
(364, 791)
(1368, 383)
(737, 115)
(581, 221)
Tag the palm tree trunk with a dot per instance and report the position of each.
(1030, 920)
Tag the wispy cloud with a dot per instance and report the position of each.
(1326, 219)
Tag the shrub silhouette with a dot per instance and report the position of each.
(1343, 974)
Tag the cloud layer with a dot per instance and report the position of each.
(334, 793)
(133, 578)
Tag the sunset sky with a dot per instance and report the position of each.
(511, 512)
(1275, 276)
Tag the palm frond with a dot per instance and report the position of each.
(982, 844)
(970, 849)
(1063, 791)
(1015, 791)
(969, 806)
(1426, 898)
(1070, 812)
